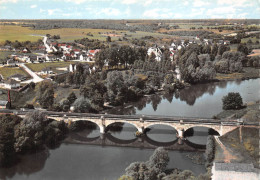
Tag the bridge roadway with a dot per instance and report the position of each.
(141, 122)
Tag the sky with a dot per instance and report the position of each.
(129, 9)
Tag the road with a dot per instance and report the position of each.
(35, 77)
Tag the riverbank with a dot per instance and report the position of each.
(31, 134)
(247, 73)
(250, 113)
(241, 146)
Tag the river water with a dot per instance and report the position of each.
(89, 161)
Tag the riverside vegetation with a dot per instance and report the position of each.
(34, 132)
(156, 168)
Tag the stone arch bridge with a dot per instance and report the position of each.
(141, 122)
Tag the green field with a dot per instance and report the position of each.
(9, 71)
(40, 66)
(19, 33)
(254, 39)
(4, 55)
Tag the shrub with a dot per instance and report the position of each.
(232, 101)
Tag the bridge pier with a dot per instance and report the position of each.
(140, 130)
(102, 129)
(180, 133)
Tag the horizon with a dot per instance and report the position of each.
(129, 9)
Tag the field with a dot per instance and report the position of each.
(244, 40)
(12, 33)
(9, 71)
(4, 54)
(40, 66)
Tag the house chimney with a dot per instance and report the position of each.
(9, 98)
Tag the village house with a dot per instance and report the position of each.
(156, 51)
(237, 171)
(26, 50)
(46, 71)
(18, 77)
(4, 104)
(11, 84)
(73, 67)
(11, 62)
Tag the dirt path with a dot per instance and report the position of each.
(227, 154)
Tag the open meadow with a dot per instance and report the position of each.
(9, 71)
(12, 33)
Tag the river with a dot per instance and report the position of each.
(89, 161)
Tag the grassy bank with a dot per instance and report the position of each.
(248, 73)
(242, 144)
(250, 113)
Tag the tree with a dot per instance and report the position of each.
(45, 94)
(108, 39)
(214, 50)
(7, 140)
(222, 48)
(242, 48)
(115, 87)
(232, 101)
(100, 58)
(82, 105)
(95, 90)
(71, 98)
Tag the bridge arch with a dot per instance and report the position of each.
(133, 123)
(149, 124)
(94, 121)
(215, 128)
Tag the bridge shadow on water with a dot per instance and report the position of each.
(143, 142)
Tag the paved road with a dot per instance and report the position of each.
(35, 77)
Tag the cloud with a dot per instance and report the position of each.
(8, 1)
(186, 3)
(223, 12)
(129, 2)
(158, 13)
(236, 3)
(200, 3)
(53, 11)
(196, 12)
(42, 10)
(110, 11)
(33, 6)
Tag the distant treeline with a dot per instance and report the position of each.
(201, 34)
(130, 25)
(98, 24)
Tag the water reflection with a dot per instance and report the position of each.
(161, 133)
(27, 165)
(201, 100)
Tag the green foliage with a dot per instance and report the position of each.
(95, 90)
(83, 105)
(7, 140)
(194, 68)
(45, 94)
(223, 48)
(35, 130)
(150, 170)
(210, 151)
(71, 98)
(108, 39)
(242, 48)
(230, 62)
(254, 61)
(232, 101)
